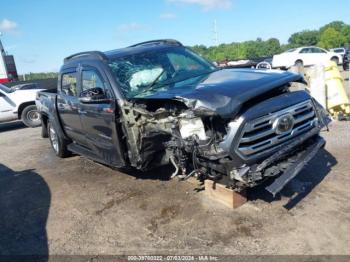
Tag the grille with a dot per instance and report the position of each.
(259, 136)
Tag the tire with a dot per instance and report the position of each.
(58, 144)
(299, 63)
(30, 116)
(335, 60)
(44, 130)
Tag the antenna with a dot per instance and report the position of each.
(215, 33)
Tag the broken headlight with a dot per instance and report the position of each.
(192, 126)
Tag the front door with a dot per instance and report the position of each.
(68, 106)
(99, 117)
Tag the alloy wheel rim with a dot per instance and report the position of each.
(33, 115)
(54, 139)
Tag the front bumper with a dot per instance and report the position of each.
(285, 164)
(296, 167)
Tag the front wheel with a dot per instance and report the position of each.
(30, 116)
(335, 60)
(58, 144)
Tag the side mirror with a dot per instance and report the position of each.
(93, 96)
(85, 99)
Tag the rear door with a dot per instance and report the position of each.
(99, 117)
(306, 56)
(320, 55)
(68, 105)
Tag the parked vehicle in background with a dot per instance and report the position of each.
(305, 56)
(19, 104)
(339, 50)
(27, 86)
(157, 102)
(346, 60)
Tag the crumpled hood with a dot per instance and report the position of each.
(223, 92)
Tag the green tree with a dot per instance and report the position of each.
(38, 76)
(304, 38)
(272, 47)
(336, 25)
(331, 38)
(334, 34)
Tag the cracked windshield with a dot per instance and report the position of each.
(143, 74)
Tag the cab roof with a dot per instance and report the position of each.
(134, 49)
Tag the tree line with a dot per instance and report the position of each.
(334, 34)
(36, 76)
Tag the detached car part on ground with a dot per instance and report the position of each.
(157, 103)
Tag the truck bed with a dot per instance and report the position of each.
(45, 100)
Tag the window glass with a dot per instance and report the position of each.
(29, 86)
(318, 50)
(290, 50)
(91, 80)
(306, 51)
(69, 84)
(143, 74)
(182, 62)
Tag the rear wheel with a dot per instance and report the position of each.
(59, 144)
(299, 63)
(44, 131)
(30, 116)
(335, 60)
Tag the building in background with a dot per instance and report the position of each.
(8, 71)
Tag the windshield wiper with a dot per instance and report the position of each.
(152, 85)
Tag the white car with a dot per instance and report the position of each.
(19, 104)
(305, 56)
(340, 50)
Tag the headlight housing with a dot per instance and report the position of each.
(192, 126)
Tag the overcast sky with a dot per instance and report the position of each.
(41, 33)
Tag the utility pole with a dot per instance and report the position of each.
(215, 39)
(215, 33)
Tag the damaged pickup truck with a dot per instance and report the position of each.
(157, 102)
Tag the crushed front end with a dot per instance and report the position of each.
(273, 137)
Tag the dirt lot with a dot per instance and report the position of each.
(76, 206)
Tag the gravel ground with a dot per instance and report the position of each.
(75, 206)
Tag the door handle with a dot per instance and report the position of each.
(82, 112)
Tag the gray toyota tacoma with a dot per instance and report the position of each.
(157, 102)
